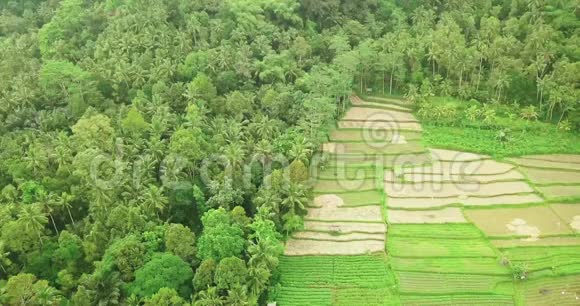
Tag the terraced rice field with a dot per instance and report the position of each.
(394, 223)
(339, 258)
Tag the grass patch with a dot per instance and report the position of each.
(482, 266)
(457, 299)
(336, 280)
(484, 141)
(430, 247)
(362, 198)
(433, 283)
(364, 271)
(365, 296)
(556, 260)
(300, 296)
(550, 291)
(450, 231)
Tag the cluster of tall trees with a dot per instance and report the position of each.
(492, 51)
(155, 151)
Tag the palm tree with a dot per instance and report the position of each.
(237, 296)
(265, 148)
(134, 300)
(295, 198)
(35, 159)
(108, 289)
(432, 56)
(64, 202)
(48, 296)
(270, 199)
(63, 151)
(45, 200)
(258, 277)
(32, 217)
(209, 297)
(301, 151)
(265, 127)
(264, 252)
(235, 156)
(501, 82)
(4, 258)
(102, 198)
(154, 201)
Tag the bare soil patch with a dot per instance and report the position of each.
(455, 156)
(405, 160)
(382, 125)
(547, 176)
(295, 247)
(553, 192)
(420, 203)
(365, 213)
(570, 213)
(351, 237)
(527, 221)
(446, 190)
(344, 185)
(328, 200)
(479, 167)
(546, 164)
(384, 161)
(361, 135)
(358, 102)
(346, 173)
(345, 227)
(391, 100)
(513, 175)
(376, 114)
(447, 215)
(575, 223)
(372, 148)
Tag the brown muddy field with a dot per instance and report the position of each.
(527, 221)
(447, 215)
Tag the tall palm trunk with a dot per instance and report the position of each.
(384, 77)
(70, 216)
(479, 73)
(53, 223)
(541, 99)
(39, 237)
(433, 61)
(561, 116)
(361, 81)
(391, 85)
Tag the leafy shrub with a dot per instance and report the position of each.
(529, 113)
(565, 125)
(520, 271)
(473, 113)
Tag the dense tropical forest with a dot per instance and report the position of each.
(156, 152)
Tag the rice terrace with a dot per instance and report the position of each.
(289, 152)
(395, 221)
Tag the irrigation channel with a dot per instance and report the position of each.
(395, 223)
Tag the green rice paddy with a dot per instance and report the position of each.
(449, 263)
